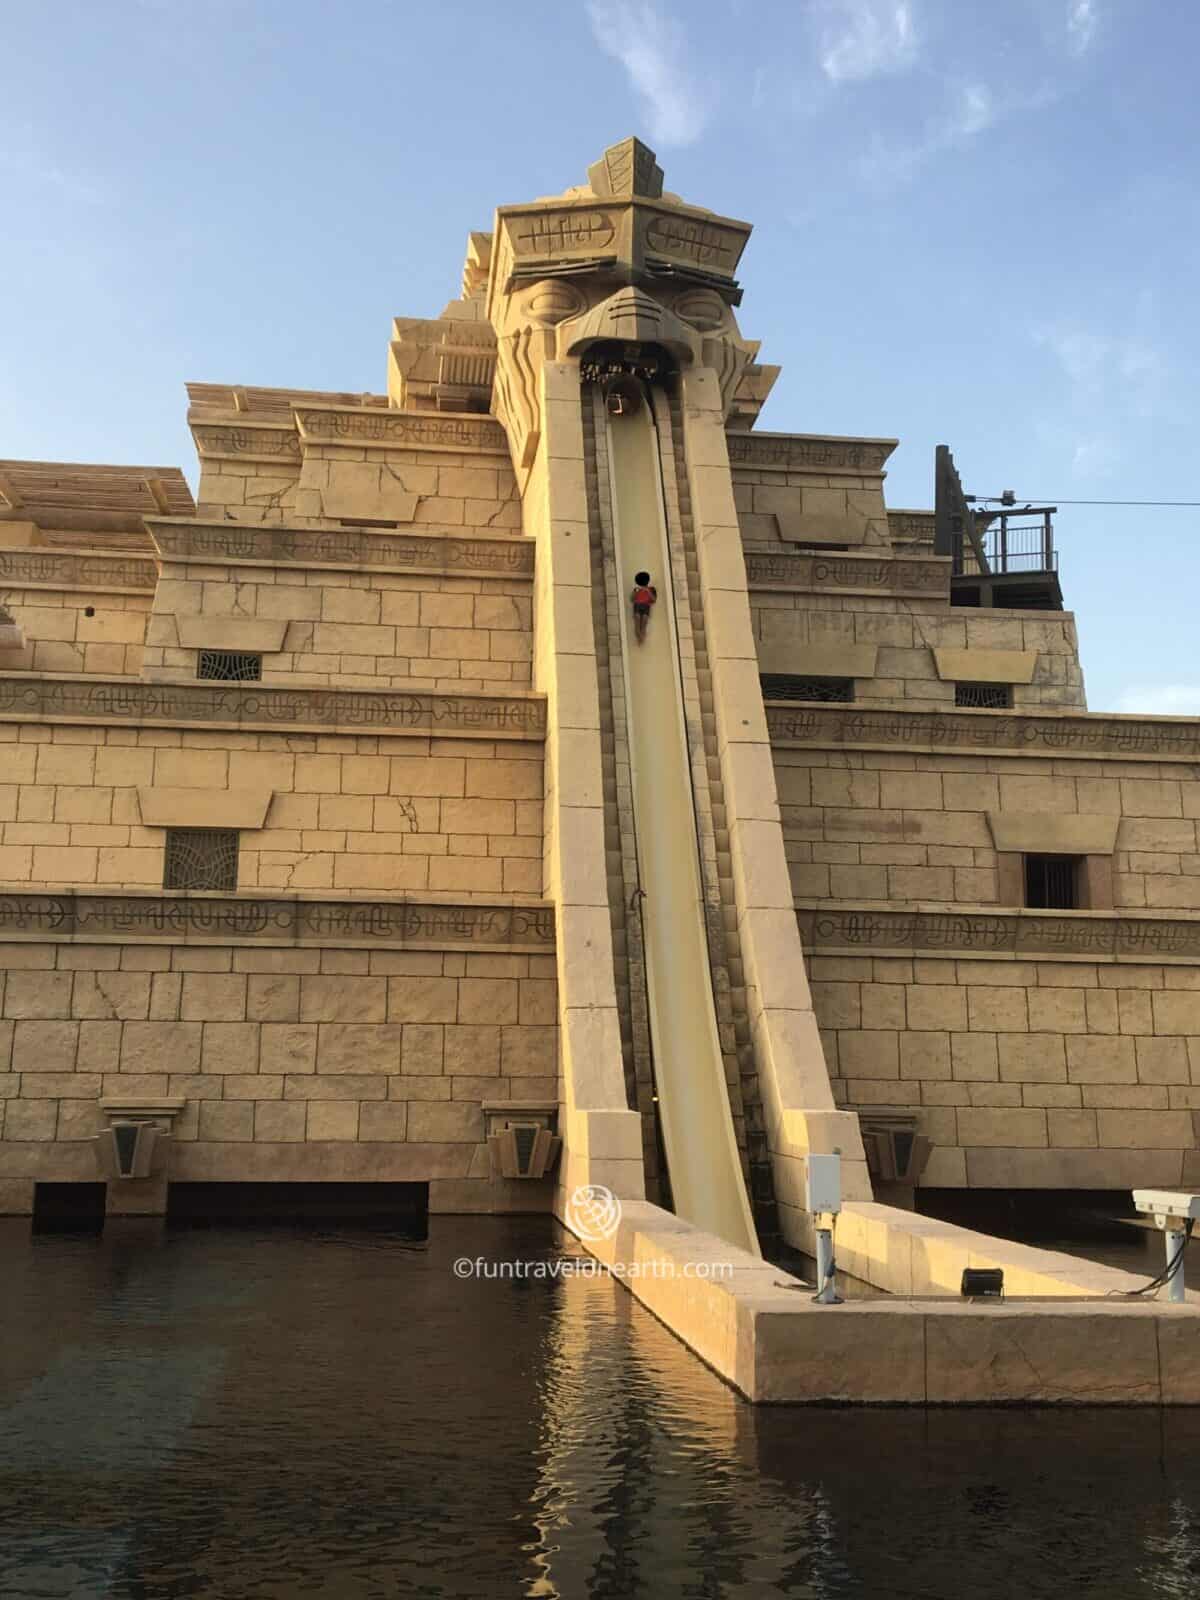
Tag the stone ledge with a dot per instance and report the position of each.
(759, 1329)
(77, 569)
(204, 808)
(1050, 833)
(799, 452)
(83, 917)
(86, 698)
(385, 429)
(850, 572)
(438, 554)
(989, 933)
(1093, 735)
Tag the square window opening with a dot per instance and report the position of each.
(984, 696)
(230, 666)
(788, 686)
(1053, 883)
(201, 858)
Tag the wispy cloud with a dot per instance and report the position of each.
(1125, 369)
(1162, 700)
(972, 110)
(651, 46)
(26, 165)
(865, 38)
(1082, 21)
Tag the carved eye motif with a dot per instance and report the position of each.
(702, 309)
(551, 302)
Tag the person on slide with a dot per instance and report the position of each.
(644, 596)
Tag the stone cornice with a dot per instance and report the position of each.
(1093, 736)
(807, 452)
(849, 573)
(132, 918)
(247, 441)
(383, 712)
(220, 543)
(399, 430)
(35, 568)
(993, 934)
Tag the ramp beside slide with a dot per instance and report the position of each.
(693, 1101)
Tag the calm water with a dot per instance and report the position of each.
(248, 1414)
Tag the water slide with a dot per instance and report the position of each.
(693, 1101)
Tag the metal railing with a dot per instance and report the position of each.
(1011, 544)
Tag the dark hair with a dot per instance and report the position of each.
(641, 577)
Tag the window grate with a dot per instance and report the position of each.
(230, 666)
(1052, 883)
(786, 686)
(201, 858)
(984, 696)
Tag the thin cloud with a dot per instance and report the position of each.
(1082, 21)
(651, 46)
(1125, 370)
(863, 39)
(971, 112)
(1162, 700)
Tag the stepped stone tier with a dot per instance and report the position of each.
(319, 837)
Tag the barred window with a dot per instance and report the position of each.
(786, 686)
(984, 696)
(230, 666)
(1052, 882)
(201, 858)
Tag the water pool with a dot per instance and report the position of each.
(239, 1414)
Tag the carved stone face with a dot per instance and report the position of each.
(558, 318)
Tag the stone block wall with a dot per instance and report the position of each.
(275, 1052)
(61, 636)
(347, 812)
(463, 492)
(877, 826)
(377, 630)
(1047, 1074)
(904, 636)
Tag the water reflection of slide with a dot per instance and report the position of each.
(693, 1102)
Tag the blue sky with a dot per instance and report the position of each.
(974, 225)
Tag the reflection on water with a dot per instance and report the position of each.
(253, 1414)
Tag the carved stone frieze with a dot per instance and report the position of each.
(1031, 935)
(188, 540)
(1091, 735)
(883, 575)
(466, 715)
(392, 430)
(796, 452)
(66, 569)
(212, 919)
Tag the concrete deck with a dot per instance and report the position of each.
(761, 1331)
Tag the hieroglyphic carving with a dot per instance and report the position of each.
(704, 244)
(343, 548)
(916, 525)
(247, 442)
(787, 571)
(559, 233)
(255, 706)
(400, 428)
(1089, 735)
(234, 920)
(64, 569)
(1027, 934)
(787, 450)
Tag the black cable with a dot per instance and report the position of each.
(1166, 1276)
(1015, 510)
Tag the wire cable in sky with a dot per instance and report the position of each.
(1050, 499)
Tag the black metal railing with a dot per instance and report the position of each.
(1018, 542)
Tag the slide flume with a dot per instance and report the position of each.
(693, 1101)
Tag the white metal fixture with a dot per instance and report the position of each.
(1174, 1211)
